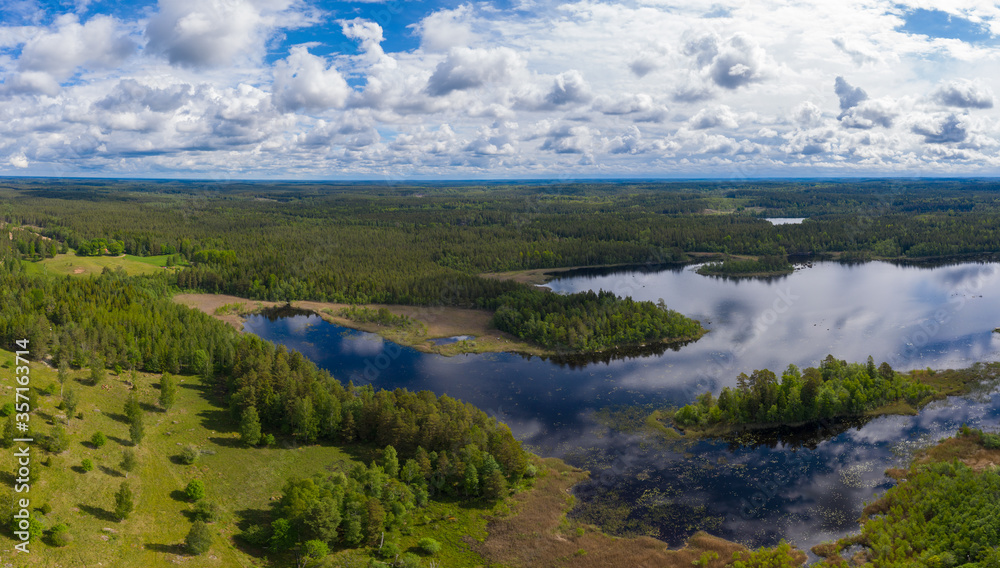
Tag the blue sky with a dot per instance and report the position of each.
(316, 89)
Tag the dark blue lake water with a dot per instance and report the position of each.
(807, 488)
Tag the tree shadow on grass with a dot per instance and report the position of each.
(226, 442)
(98, 513)
(117, 417)
(121, 441)
(178, 549)
(178, 495)
(112, 472)
(152, 408)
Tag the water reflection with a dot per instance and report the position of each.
(806, 487)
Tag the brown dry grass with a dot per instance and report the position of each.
(966, 449)
(436, 322)
(538, 535)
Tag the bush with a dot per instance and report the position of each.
(199, 538)
(190, 454)
(98, 439)
(87, 465)
(316, 549)
(429, 545)
(389, 550)
(409, 560)
(59, 535)
(46, 509)
(7, 409)
(267, 440)
(195, 490)
(206, 511)
(257, 535)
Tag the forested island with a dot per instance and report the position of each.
(771, 265)
(834, 390)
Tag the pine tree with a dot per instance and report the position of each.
(168, 391)
(250, 427)
(124, 501)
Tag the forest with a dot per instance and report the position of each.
(428, 244)
(432, 447)
(835, 389)
(942, 513)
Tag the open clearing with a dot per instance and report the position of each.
(93, 265)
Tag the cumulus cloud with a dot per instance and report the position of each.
(466, 68)
(949, 130)
(627, 142)
(568, 88)
(720, 116)
(807, 114)
(445, 29)
(569, 139)
(964, 94)
(213, 33)
(849, 96)
(739, 62)
(305, 81)
(650, 58)
(131, 96)
(860, 56)
(54, 55)
(19, 161)
(870, 113)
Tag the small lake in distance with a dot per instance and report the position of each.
(912, 317)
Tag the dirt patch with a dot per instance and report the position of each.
(79, 271)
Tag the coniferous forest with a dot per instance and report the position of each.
(437, 245)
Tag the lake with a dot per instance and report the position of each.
(807, 486)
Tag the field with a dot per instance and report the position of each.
(242, 482)
(93, 265)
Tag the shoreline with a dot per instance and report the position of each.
(432, 322)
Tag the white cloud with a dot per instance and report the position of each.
(445, 29)
(466, 68)
(306, 82)
(653, 87)
(216, 33)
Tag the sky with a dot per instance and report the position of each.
(446, 89)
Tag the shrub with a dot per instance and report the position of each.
(87, 465)
(257, 535)
(199, 538)
(98, 439)
(46, 509)
(389, 550)
(206, 511)
(267, 440)
(59, 535)
(195, 490)
(7, 409)
(429, 545)
(316, 549)
(190, 454)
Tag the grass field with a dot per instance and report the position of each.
(93, 265)
(245, 483)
